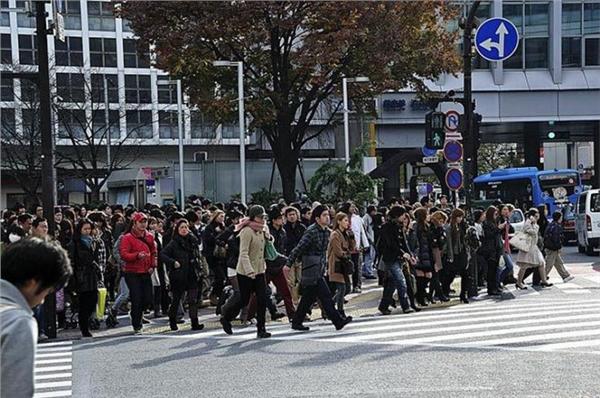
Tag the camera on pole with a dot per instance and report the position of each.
(434, 130)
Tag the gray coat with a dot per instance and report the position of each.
(18, 339)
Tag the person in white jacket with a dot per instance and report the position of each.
(362, 243)
(367, 270)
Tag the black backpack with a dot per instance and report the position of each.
(552, 237)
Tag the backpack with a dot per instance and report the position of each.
(552, 237)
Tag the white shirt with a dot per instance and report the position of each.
(358, 229)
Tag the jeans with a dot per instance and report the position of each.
(140, 289)
(397, 282)
(508, 269)
(309, 296)
(338, 297)
(87, 306)
(258, 287)
(367, 269)
(123, 294)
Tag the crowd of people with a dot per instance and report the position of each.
(244, 260)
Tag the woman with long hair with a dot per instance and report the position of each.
(84, 259)
(533, 257)
(182, 259)
(491, 248)
(338, 253)
(215, 256)
(424, 267)
(438, 249)
(457, 255)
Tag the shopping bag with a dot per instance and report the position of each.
(100, 307)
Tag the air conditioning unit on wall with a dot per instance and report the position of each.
(200, 157)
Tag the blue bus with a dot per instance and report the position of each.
(526, 187)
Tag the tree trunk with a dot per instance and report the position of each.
(95, 193)
(287, 170)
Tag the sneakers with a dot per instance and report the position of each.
(568, 279)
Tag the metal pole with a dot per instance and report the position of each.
(346, 127)
(180, 133)
(240, 66)
(107, 123)
(47, 142)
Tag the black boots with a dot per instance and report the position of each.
(226, 325)
(420, 296)
(173, 324)
(263, 334)
(196, 325)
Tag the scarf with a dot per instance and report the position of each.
(86, 240)
(246, 222)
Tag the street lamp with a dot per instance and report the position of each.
(180, 133)
(345, 81)
(240, 71)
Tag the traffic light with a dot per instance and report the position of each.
(434, 130)
(556, 136)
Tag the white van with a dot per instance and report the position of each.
(587, 223)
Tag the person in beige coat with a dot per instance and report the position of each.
(532, 258)
(339, 248)
(251, 266)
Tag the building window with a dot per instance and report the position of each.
(29, 92)
(137, 89)
(98, 88)
(99, 124)
(69, 53)
(5, 49)
(24, 19)
(27, 50)
(70, 87)
(127, 26)
(29, 122)
(532, 22)
(6, 89)
(580, 30)
(133, 57)
(100, 16)
(230, 131)
(71, 123)
(139, 124)
(4, 16)
(103, 52)
(167, 93)
(7, 120)
(167, 124)
(71, 13)
(202, 126)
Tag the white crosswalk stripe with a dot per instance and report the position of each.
(54, 370)
(565, 325)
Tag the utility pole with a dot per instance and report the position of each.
(107, 123)
(468, 104)
(48, 170)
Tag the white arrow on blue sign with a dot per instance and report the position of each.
(496, 39)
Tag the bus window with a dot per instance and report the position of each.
(568, 181)
(517, 192)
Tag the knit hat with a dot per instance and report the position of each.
(256, 211)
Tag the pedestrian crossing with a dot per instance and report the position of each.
(557, 325)
(54, 370)
(580, 285)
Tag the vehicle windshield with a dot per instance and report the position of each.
(550, 182)
(518, 192)
(516, 217)
(595, 203)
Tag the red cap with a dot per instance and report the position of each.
(138, 216)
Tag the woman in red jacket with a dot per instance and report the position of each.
(138, 251)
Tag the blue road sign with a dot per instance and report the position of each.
(427, 152)
(496, 39)
(453, 151)
(454, 179)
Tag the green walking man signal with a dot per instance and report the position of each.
(434, 130)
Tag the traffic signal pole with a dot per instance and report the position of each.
(469, 107)
(47, 142)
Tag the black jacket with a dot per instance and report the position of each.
(491, 245)
(293, 234)
(209, 238)
(185, 252)
(86, 272)
(230, 239)
(392, 243)
(424, 240)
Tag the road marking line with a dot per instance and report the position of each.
(53, 384)
(52, 368)
(53, 394)
(53, 376)
(54, 349)
(568, 344)
(56, 343)
(530, 338)
(49, 361)
(54, 355)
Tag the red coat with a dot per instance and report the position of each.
(131, 246)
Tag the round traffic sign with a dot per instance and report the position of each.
(454, 179)
(428, 152)
(453, 151)
(429, 188)
(452, 119)
(496, 39)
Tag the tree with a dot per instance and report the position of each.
(334, 182)
(295, 55)
(496, 156)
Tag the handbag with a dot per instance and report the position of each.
(311, 270)
(521, 241)
(344, 266)
(270, 251)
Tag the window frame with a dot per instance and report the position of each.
(104, 54)
(524, 35)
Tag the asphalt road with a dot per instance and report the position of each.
(533, 343)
